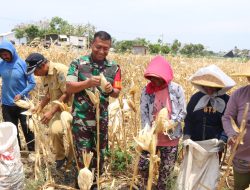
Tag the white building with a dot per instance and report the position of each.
(11, 37)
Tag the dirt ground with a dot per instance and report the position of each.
(110, 180)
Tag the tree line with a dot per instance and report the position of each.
(58, 25)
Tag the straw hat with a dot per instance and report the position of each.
(243, 70)
(207, 80)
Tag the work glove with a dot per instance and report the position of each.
(221, 144)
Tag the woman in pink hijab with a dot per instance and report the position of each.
(159, 93)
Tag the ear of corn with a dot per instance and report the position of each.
(133, 88)
(23, 104)
(163, 124)
(66, 119)
(160, 120)
(144, 138)
(94, 99)
(63, 106)
(103, 82)
(85, 176)
(131, 104)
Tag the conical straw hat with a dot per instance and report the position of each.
(208, 80)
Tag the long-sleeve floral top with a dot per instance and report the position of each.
(177, 98)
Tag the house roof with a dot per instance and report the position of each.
(6, 33)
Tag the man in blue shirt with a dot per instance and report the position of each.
(15, 85)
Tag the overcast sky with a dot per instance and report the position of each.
(217, 24)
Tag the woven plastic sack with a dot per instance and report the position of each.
(11, 167)
(200, 167)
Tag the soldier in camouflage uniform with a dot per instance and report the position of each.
(83, 74)
(53, 76)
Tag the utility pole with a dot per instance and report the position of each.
(161, 39)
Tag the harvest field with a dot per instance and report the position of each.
(120, 162)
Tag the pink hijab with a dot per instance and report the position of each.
(158, 67)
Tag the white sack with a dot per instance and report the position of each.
(200, 165)
(11, 167)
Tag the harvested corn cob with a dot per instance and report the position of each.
(85, 176)
(103, 82)
(23, 104)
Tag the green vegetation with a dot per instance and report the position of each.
(121, 160)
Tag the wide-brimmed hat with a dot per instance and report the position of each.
(208, 80)
(34, 60)
(212, 76)
(243, 70)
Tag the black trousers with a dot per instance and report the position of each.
(13, 114)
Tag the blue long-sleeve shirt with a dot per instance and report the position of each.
(14, 78)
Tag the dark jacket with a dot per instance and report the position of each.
(206, 123)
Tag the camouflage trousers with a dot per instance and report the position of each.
(85, 138)
(168, 158)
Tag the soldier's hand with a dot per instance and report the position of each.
(108, 88)
(94, 81)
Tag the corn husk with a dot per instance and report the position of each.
(144, 138)
(23, 104)
(163, 124)
(104, 82)
(63, 106)
(131, 104)
(85, 177)
(93, 96)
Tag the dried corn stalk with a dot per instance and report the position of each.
(85, 176)
(146, 140)
(66, 120)
(95, 98)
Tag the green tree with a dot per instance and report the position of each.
(31, 32)
(141, 42)
(124, 46)
(59, 26)
(175, 47)
(165, 49)
(192, 49)
(154, 48)
(19, 32)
